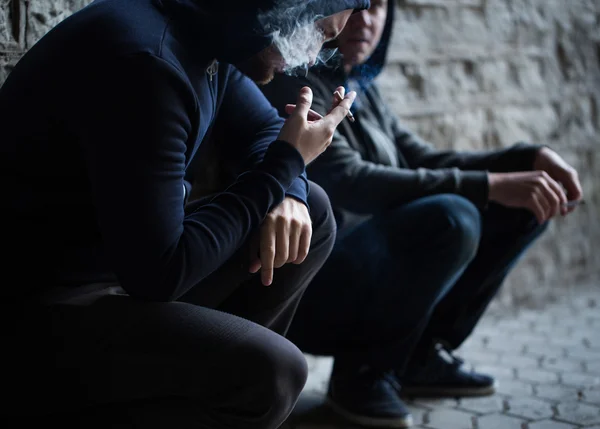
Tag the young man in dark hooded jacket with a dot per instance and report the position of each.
(425, 239)
(123, 300)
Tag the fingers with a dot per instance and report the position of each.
(551, 200)
(312, 115)
(573, 187)
(536, 207)
(558, 191)
(267, 252)
(305, 98)
(339, 112)
(295, 234)
(304, 244)
(254, 254)
(282, 243)
(342, 92)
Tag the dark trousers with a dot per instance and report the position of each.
(216, 358)
(411, 276)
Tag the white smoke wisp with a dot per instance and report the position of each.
(298, 40)
(300, 47)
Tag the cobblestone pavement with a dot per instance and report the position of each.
(547, 363)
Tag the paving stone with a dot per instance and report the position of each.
(542, 351)
(499, 421)
(529, 408)
(567, 341)
(537, 375)
(484, 405)
(504, 344)
(578, 413)
(515, 387)
(449, 419)
(584, 353)
(591, 396)
(592, 366)
(549, 424)
(557, 392)
(580, 379)
(561, 363)
(519, 361)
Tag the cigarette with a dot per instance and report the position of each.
(573, 203)
(339, 97)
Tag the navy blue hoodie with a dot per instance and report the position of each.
(100, 120)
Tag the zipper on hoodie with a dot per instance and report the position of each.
(212, 69)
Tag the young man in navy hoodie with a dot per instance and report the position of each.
(128, 306)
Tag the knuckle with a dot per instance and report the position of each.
(302, 254)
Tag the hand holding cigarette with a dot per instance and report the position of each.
(308, 131)
(315, 116)
(340, 98)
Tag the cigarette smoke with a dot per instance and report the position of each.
(296, 36)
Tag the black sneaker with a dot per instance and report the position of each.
(368, 398)
(444, 375)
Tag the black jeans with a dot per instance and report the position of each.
(420, 273)
(216, 358)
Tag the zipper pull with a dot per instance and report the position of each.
(212, 69)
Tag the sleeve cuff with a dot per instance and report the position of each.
(300, 190)
(283, 162)
(474, 186)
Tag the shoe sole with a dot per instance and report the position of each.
(448, 391)
(403, 422)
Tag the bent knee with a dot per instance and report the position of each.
(321, 213)
(279, 367)
(461, 222)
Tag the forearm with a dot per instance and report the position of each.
(369, 188)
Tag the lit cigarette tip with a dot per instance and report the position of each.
(339, 97)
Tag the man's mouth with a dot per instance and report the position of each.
(358, 40)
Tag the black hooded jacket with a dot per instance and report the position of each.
(375, 163)
(101, 119)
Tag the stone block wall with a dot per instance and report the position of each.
(483, 74)
(471, 74)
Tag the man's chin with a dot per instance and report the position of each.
(264, 80)
(260, 75)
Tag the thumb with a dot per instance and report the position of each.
(305, 98)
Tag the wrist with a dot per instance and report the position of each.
(493, 179)
(541, 155)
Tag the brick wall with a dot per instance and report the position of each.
(482, 74)
(471, 74)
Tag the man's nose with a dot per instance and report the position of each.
(364, 18)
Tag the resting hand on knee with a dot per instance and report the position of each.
(532, 190)
(285, 237)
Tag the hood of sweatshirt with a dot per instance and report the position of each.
(238, 29)
(365, 73)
